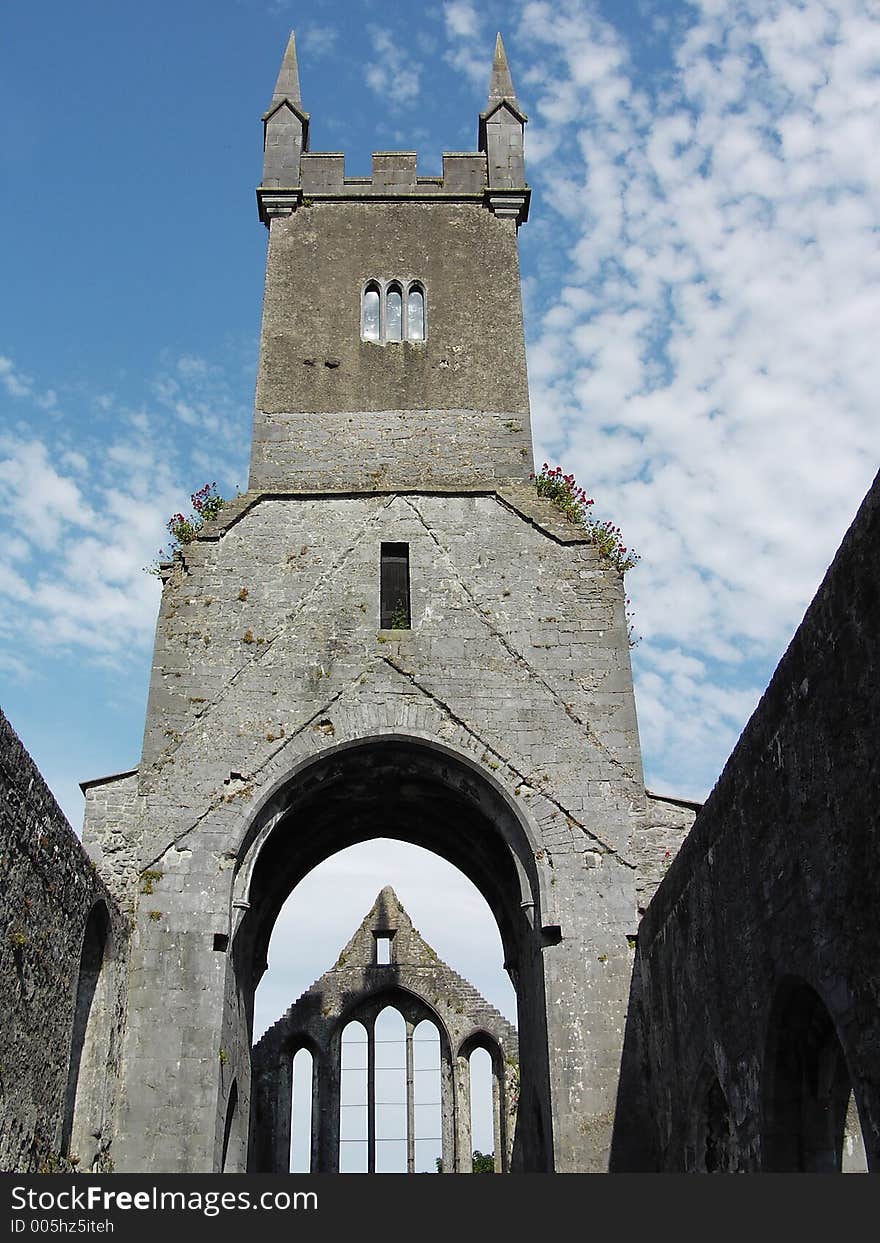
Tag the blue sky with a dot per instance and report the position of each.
(702, 293)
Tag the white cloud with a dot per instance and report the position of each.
(394, 75)
(319, 40)
(713, 382)
(462, 21)
(471, 46)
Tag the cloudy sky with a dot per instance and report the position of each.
(702, 293)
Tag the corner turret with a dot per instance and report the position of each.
(501, 131)
(285, 127)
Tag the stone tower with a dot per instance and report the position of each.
(389, 635)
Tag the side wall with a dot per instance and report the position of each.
(48, 886)
(779, 878)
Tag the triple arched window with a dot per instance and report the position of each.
(393, 311)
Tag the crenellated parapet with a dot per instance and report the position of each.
(493, 176)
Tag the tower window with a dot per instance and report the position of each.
(394, 314)
(393, 311)
(394, 610)
(415, 314)
(370, 313)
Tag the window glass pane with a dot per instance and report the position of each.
(390, 1156)
(427, 1155)
(353, 1086)
(353, 1157)
(370, 326)
(415, 315)
(393, 315)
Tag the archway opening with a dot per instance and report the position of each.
(422, 794)
(446, 908)
(807, 1088)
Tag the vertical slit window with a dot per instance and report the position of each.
(301, 1113)
(370, 313)
(394, 612)
(394, 314)
(415, 314)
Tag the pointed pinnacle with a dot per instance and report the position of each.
(287, 86)
(501, 83)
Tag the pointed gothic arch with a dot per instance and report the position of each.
(807, 1086)
(424, 793)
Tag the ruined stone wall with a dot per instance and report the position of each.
(419, 985)
(658, 840)
(779, 878)
(48, 887)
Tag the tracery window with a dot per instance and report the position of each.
(393, 311)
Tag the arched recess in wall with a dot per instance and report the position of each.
(481, 1067)
(710, 1148)
(413, 790)
(89, 1043)
(806, 1086)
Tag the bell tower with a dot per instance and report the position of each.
(392, 350)
(389, 635)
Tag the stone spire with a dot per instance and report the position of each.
(285, 126)
(501, 128)
(287, 86)
(501, 83)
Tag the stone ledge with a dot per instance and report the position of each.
(520, 498)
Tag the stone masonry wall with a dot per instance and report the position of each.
(453, 408)
(269, 651)
(48, 886)
(779, 878)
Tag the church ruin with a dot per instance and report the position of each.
(391, 634)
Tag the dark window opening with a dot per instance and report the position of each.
(394, 612)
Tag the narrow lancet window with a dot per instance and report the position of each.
(354, 1108)
(394, 611)
(394, 314)
(415, 314)
(370, 313)
(302, 1072)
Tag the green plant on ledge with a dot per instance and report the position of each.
(206, 505)
(400, 617)
(565, 493)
